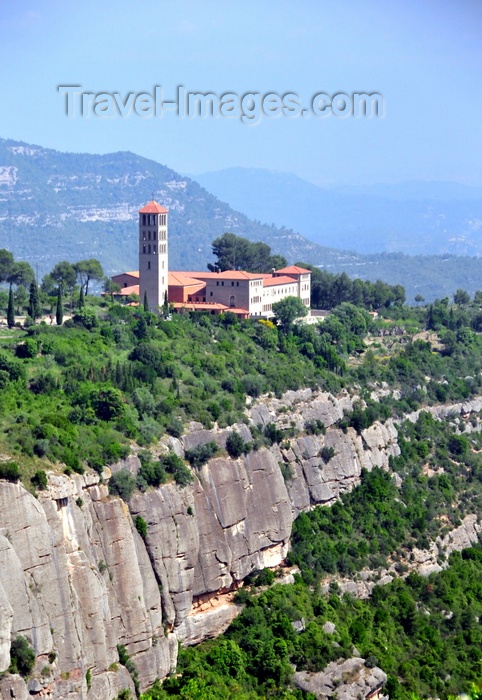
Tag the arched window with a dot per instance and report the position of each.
(232, 302)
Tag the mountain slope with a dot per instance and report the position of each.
(57, 206)
(422, 218)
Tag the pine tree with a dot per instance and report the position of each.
(146, 303)
(34, 310)
(81, 297)
(59, 311)
(10, 309)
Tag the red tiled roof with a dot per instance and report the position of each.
(153, 207)
(237, 310)
(209, 306)
(179, 279)
(294, 270)
(125, 291)
(238, 275)
(200, 305)
(134, 273)
(282, 279)
(226, 275)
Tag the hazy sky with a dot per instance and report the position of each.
(423, 56)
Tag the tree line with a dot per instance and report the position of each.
(26, 295)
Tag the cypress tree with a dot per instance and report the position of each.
(34, 310)
(146, 303)
(165, 306)
(10, 309)
(59, 311)
(81, 297)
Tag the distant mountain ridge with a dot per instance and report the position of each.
(69, 206)
(56, 206)
(418, 218)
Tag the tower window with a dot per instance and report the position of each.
(153, 235)
(232, 302)
(149, 248)
(143, 248)
(143, 219)
(149, 265)
(143, 235)
(149, 235)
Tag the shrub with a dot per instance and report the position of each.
(201, 454)
(39, 480)
(141, 526)
(286, 471)
(253, 385)
(22, 656)
(176, 467)
(27, 349)
(122, 484)
(174, 428)
(236, 446)
(9, 471)
(126, 661)
(151, 473)
(13, 368)
(108, 403)
(86, 318)
(273, 434)
(315, 427)
(327, 453)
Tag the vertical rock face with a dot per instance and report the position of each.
(77, 579)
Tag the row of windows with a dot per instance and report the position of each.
(151, 235)
(255, 300)
(278, 290)
(153, 249)
(151, 219)
(222, 283)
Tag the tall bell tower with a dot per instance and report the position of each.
(153, 254)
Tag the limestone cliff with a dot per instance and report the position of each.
(77, 579)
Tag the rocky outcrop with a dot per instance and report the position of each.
(347, 679)
(77, 579)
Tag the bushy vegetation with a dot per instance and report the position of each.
(22, 656)
(328, 290)
(424, 632)
(378, 521)
(79, 394)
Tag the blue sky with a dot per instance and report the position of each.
(424, 56)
